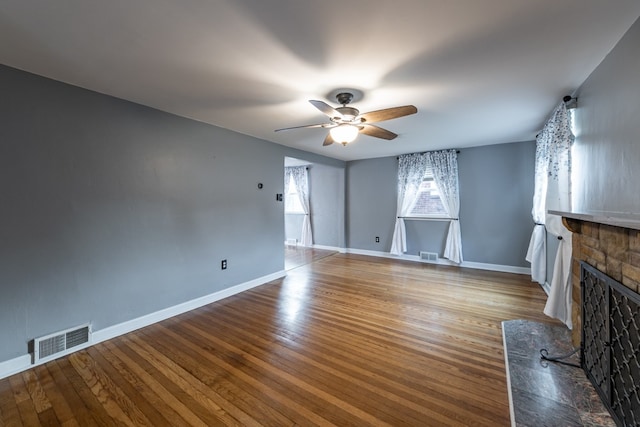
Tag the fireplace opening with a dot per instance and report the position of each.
(610, 344)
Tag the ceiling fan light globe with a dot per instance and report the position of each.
(344, 133)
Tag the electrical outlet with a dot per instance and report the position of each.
(223, 264)
(377, 239)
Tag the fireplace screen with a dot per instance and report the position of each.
(611, 343)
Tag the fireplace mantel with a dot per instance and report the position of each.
(617, 219)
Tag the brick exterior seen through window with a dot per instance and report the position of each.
(428, 202)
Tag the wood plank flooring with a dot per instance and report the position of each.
(347, 340)
(296, 256)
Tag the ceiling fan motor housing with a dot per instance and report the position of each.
(348, 113)
(344, 98)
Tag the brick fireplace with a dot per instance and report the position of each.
(609, 243)
(605, 269)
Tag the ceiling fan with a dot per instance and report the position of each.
(347, 122)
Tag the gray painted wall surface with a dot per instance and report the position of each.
(496, 196)
(496, 190)
(606, 153)
(327, 200)
(371, 203)
(293, 226)
(112, 210)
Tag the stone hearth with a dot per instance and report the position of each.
(544, 393)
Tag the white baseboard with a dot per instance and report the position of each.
(22, 363)
(13, 366)
(497, 267)
(442, 261)
(378, 254)
(330, 248)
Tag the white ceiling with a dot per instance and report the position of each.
(479, 71)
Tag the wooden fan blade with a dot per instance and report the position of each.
(321, 125)
(377, 132)
(328, 140)
(326, 109)
(388, 114)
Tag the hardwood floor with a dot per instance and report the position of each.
(296, 256)
(347, 340)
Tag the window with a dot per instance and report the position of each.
(428, 202)
(292, 203)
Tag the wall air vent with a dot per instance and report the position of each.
(61, 343)
(291, 242)
(428, 256)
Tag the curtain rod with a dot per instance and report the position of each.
(570, 101)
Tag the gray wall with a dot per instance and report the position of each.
(371, 203)
(293, 226)
(327, 204)
(111, 210)
(496, 189)
(607, 148)
(496, 196)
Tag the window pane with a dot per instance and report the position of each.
(291, 201)
(428, 200)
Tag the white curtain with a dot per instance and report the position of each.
(444, 166)
(411, 170)
(537, 252)
(298, 175)
(553, 192)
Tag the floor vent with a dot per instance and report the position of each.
(60, 343)
(291, 242)
(429, 256)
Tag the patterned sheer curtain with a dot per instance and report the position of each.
(537, 252)
(553, 192)
(444, 165)
(299, 176)
(411, 170)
